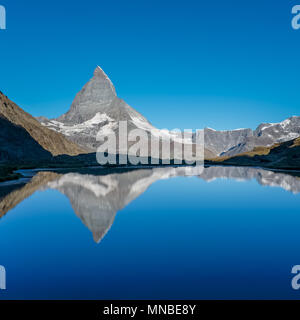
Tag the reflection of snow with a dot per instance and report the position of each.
(100, 188)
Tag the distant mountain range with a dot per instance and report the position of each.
(285, 156)
(230, 143)
(96, 110)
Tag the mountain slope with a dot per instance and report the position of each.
(285, 155)
(49, 140)
(16, 144)
(221, 141)
(234, 142)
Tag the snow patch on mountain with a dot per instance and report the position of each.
(69, 130)
(88, 183)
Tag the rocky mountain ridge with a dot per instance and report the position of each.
(234, 142)
(49, 140)
(285, 156)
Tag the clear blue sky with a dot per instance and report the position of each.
(186, 64)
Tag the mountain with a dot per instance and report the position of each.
(231, 143)
(96, 110)
(221, 141)
(285, 155)
(17, 145)
(22, 127)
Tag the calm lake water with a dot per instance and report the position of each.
(164, 233)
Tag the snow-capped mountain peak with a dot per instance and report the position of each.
(95, 96)
(96, 110)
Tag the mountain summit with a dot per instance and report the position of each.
(96, 110)
(95, 96)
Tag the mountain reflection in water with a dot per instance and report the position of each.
(96, 198)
